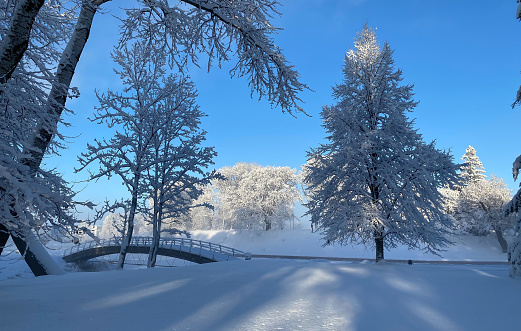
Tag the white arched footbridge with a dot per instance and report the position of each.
(196, 251)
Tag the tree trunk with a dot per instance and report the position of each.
(152, 254)
(157, 217)
(156, 231)
(35, 255)
(60, 86)
(379, 241)
(268, 224)
(125, 241)
(4, 236)
(12, 48)
(502, 241)
(15, 42)
(56, 102)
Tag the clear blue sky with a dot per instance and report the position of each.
(463, 57)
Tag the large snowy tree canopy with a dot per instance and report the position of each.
(31, 198)
(375, 179)
(248, 196)
(221, 29)
(184, 29)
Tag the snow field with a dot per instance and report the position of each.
(267, 295)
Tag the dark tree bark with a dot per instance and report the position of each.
(502, 241)
(15, 42)
(379, 242)
(268, 224)
(56, 103)
(130, 228)
(60, 87)
(36, 266)
(4, 236)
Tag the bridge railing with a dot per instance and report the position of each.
(192, 246)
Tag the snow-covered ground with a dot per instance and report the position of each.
(304, 243)
(265, 294)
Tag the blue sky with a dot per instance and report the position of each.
(462, 56)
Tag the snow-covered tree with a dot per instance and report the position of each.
(514, 250)
(125, 154)
(472, 169)
(375, 180)
(33, 198)
(184, 29)
(249, 196)
(113, 226)
(204, 215)
(513, 208)
(253, 196)
(157, 153)
(187, 27)
(178, 162)
(481, 205)
(476, 205)
(115, 223)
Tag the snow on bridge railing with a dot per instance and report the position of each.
(191, 246)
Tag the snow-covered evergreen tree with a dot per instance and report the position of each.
(476, 204)
(514, 250)
(375, 180)
(472, 169)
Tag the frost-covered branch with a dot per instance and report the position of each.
(213, 27)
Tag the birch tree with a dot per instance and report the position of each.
(33, 199)
(375, 180)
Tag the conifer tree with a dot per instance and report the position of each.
(472, 170)
(375, 180)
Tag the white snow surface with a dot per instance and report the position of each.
(269, 294)
(301, 242)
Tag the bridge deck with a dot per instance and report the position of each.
(197, 251)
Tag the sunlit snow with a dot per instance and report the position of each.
(270, 294)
